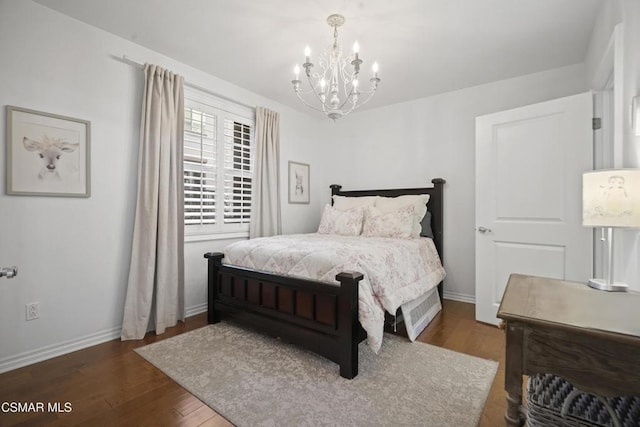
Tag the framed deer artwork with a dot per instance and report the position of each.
(47, 154)
(298, 182)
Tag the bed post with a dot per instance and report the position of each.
(348, 322)
(215, 261)
(335, 189)
(437, 208)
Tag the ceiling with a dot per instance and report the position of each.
(424, 47)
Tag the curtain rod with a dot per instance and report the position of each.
(130, 60)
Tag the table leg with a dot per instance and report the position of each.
(513, 416)
(513, 374)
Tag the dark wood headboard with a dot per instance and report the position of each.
(435, 204)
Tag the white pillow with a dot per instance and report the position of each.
(418, 201)
(345, 223)
(397, 224)
(344, 203)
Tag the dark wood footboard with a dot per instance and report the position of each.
(318, 316)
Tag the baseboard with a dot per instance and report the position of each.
(196, 309)
(48, 352)
(459, 297)
(51, 351)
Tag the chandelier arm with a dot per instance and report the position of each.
(365, 101)
(304, 93)
(316, 93)
(300, 94)
(347, 77)
(354, 107)
(304, 101)
(351, 93)
(318, 77)
(348, 97)
(369, 92)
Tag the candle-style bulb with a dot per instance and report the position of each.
(375, 67)
(307, 51)
(355, 83)
(356, 47)
(296, 70)
(323, 83)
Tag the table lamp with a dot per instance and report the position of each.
(610, 198)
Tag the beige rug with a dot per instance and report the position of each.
(254, 380)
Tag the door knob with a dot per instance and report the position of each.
(10, 272)
(484, 230)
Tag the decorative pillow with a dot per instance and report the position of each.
(398, 224)
(344, 203)
(418, 201)
(425, 224)
(345, 223)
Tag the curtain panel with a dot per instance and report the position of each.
(155, 292)
(265, 200)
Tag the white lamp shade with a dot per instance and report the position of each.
(611, 198)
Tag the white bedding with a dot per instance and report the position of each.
(395, 271)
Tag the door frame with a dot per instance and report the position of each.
(608, 105)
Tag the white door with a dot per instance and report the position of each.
(529, 165)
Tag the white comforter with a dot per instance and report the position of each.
(395, 271)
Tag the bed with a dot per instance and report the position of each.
(319, 316)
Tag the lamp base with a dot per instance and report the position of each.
(602, 285)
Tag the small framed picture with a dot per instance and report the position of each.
(47, 154)
(298, 182)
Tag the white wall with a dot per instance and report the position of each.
(73, 254)
(609, 15)
(408, 144)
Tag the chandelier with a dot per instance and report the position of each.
(334, 89)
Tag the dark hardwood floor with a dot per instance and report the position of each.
(110, 385)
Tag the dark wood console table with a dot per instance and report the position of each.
(589, 337)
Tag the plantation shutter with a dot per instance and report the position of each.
(218, 165)
(199, 166)
(238, 171)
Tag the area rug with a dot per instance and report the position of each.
(255, 380)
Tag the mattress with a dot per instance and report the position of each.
(396, 271)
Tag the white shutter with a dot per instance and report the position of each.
(218, 165)
(238, 171)
(199, 166)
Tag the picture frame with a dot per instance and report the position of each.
(299, 183)
(47, 154)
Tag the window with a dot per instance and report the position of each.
(218, 164)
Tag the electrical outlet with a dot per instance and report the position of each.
(32, 311)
